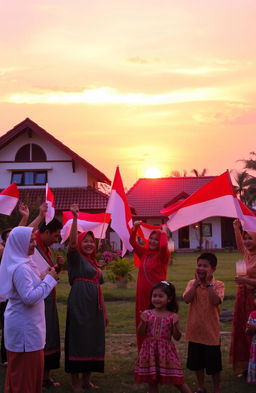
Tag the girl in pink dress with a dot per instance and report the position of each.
(158, 361)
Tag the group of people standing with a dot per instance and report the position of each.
(31, 328)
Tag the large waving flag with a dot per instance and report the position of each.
(8, 199)
(121, 217)
(49, 199)
(216, 198)
(97, 223)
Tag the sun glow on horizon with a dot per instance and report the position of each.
(153, 173)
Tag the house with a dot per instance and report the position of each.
(149, 196)
(31, 157)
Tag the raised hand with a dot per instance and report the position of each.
(42, 210)
(23, 209)
(197, 279)
(74, 208)
(209, 277)
(237, 224)
(137, 224)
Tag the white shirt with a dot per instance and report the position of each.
(24, 315)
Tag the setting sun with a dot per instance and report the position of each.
(153, 173)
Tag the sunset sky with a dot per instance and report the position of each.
(141, 84)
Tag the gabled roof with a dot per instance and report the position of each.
(28, 124)
(87, 198)
(149, 196)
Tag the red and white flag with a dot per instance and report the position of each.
(97, 223)
(8, 199)
(121, 217)
(145, 230)
(216, 198)
(49, 199)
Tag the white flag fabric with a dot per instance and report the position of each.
(97, 223)
(49, 199)
(121, 217)
(8, 199)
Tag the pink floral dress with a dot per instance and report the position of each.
(158, 361)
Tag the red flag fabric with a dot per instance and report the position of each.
(121, 217)
(50, 203)
(97, 223)
(8, 199)
(216, 198)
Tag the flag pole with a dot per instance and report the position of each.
(105, 216)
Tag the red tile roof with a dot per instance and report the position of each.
(88, 198)
(28, 124)
(149, 196)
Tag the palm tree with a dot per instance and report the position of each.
(246, 182)
(197, 173)
(241, 188)
(176, 173)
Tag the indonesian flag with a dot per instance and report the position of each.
(145, 230)
(216, 198)
(8, 199)
(121, 217)
(97, 223)
(50, 203)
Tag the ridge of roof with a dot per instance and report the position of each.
(148, 179)
(10, 135)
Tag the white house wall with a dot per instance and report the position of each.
(60, 174)
(213, 241)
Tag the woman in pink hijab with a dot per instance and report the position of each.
(153, 264)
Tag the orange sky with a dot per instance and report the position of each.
(149, 83)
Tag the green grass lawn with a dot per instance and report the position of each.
(121, 350)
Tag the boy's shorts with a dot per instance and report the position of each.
(206, 357)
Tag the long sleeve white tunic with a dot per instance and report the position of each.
(24, 316)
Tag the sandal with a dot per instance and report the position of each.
(48, 383)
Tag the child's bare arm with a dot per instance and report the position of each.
(213, 296)
(176, 332)
(142, 325)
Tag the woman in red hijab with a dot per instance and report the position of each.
(86, 315)
(153, 264)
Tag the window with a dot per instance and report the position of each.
(207, 230)
(29, 178)
(30, 152)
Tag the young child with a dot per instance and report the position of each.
(251, 331)
(158, 361)
(204, 294)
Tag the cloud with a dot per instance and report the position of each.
(138, 60)
(108, 95)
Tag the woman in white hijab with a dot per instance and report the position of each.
(22, 284)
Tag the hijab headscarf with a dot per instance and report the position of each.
(15, 253)
(92, 256)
